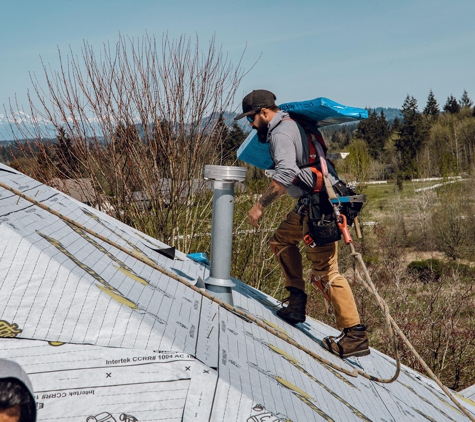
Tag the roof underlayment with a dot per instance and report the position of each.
(469, 392)
(106, 337)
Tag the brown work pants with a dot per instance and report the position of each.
(324, 260)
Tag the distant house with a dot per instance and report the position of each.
(83, 191)
(166, 190)
(80, 189)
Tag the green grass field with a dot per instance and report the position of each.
(384, 199)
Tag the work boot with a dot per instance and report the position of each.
(295, 310)
(352, 341)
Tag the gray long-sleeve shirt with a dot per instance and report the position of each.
(289, 150)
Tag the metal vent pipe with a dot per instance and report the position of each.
(219, 282)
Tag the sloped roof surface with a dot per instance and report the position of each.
(469, 392)
(142, 346)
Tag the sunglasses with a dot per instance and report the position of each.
(251, 118)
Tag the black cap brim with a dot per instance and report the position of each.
(240, 116)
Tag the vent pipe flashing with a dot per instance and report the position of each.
(219, 282)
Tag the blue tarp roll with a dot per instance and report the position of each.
(317, 113)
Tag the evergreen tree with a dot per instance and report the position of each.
(124, 137)
(465, 101)
(411, 138)
(396, 126)
(383, 128)
(65, 161)
(159, 140)
(233, 141)
(47, 161)
(452, 106)
(340, 139)
(121, 149)
(375, 131)
(221, 133)
(432, 108)
(367, 128)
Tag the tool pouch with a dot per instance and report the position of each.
(324, 231)
(321, 222)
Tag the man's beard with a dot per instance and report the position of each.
(262, 132)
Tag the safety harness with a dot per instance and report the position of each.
(326, 224)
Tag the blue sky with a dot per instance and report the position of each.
(359, 53)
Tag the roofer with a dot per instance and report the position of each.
(17, 403)
(289, 151)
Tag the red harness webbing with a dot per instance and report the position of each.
(314, 154)
(316, 149)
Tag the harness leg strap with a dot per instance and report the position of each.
(275, 247)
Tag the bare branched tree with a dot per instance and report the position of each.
(139, 121)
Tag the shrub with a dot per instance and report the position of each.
(433, 269)
(427, 269)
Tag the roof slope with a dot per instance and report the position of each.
(469, 392)
(142, 344)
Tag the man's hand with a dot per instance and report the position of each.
(274, 190)
(254, 214)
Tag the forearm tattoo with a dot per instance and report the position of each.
(269, 196)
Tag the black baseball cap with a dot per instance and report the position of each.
(255, 101)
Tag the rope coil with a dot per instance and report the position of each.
(393, 327)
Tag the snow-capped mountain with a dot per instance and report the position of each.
(8, 125)
(9, 130)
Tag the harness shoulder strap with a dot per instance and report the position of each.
(317, 149)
